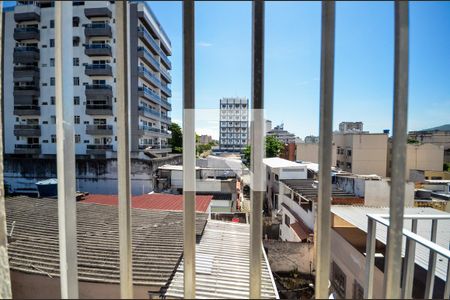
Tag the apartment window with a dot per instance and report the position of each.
(53, 138)
(76, 100)
(77, 138)
(76, 119)
(76, 81)
(52, 43)
(53, 119)
(52, 62)
(349, 165)
(52, 23)
(287, 221)
(75, 42)
(52, 81)
(77, 3)
(358, 291)
(349, 152)
(76, 61)
(52, 100)
(338, 279)
(75, 22)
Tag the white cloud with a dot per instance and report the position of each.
(204, 44)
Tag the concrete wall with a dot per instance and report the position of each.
(310, 152)
(36, 286)
(93, 176)
(424, 157)
(307, 216)
(377, 193)
(287, 234)
(353, 264)
(351, 185)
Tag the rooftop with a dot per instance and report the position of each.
(357, 216)
(157, 238)
(276, 162)
(168, 202)
(222, 265)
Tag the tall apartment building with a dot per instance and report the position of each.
(282, 135)
(29, 79)
(234, 133)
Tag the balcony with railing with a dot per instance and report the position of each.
(99, 129)
(98, 90)
(149, 94)
(165, 103)
(97, 50)
(26, 74)
(148, 57)
(26, 33)
(27, 130)
(148, 39)
(27, 90)
(165, 73)
(27, 11)
(98, 70)
(166, 89)
(144, 129)
(148, 112)
(97, 149)
(98, 12)
(98, 30)
(151, 78)
(99, 109)
(27, 149)
(26, 55)
(27, 110)
(166, 119)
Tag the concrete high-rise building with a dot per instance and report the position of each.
(351, 126)
(29, 79)
(268, 125)
(234, 133)
(282, 135)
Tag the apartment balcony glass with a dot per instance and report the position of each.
(148, 39)
(165, 103)
(27, 110)
(95, 12)
(98, 70)
(148, 129)
(98, 149)
(148, 76)
(99, 109)
(98, 50)
(26, 90)
(166, 89)
(26, 33)
(165, 133)
(148, 112)
(145, 55)
(27, 130)
(155, 148)
(26, 74)
(99, 129)
(166, 119)
(27, 149)
(98, 30)
(26, 55)
(96, 90)
(165, 60)
(24, 12)
(147, 93)
(166, 74)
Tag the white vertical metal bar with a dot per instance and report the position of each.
(123, 152)
(409, 265)
(325, 133)
(447, 283)
(5, 287)
(398, 175)
(257, 150)
(370, 257)
(429, 285)
(189, 147)
(65, 143)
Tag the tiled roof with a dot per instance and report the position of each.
(157, 241)
(223, 265)
(153, 201)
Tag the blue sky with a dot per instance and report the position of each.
(363, 69)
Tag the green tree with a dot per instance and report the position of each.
(273, 149)
(176, 141)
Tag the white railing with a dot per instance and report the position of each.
(412, 238)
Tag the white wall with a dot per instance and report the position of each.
(292, 173)
(377, 193)
(286, 233)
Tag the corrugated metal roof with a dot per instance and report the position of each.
(222, 265)
(157, 241)
(153, 201)
(357, 215)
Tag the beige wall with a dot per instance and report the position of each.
(35, 286)
(310, 153)
(424, 157)
(353, 264)
(369, 153)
